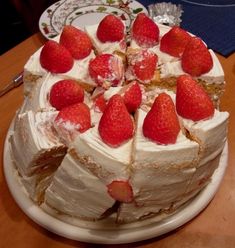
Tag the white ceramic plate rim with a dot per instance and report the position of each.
(47, 19)
(118, 235)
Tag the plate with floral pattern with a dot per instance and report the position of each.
(82, 13)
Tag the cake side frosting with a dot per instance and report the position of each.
(210, 134)
(105, 162)
(42, 151)
(76, 192)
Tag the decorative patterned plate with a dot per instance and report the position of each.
(81, 13)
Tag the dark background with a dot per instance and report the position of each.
(19, 20)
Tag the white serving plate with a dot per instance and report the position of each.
(102, 231)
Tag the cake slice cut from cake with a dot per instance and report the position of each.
(36, 150)
(117, 47)
(167, 168)
(93, 164)
(108, 36)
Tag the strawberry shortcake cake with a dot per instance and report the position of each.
(119, 125)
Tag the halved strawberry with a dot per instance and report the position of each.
(192, 102)
(161, 123)
(111, 29)
(76, 41)
(76, 115)
(64, 93)
(106, 70)
(116, 125)
(143, 65)
(174, 41)
(196, 59)
(120, 191)
(145, 31)
(55, 57)
(100, 102)
(133, 97)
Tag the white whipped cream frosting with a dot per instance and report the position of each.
(211, 134)
(33, 64)
(79, 70)
(146, 152)
(33, 135)
(77, 192)
(112, 91)
(105, 162)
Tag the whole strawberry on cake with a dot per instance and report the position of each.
(117, 125)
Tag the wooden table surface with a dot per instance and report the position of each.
(214, 227)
